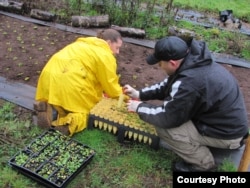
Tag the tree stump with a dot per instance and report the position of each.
(130, 32)
(90, 21)
(42, 15)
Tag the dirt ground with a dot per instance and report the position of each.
(25, 48)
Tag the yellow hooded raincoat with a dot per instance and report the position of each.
(75, 79)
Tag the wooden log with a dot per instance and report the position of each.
(245, 159)
(130, 32)
(90, 21)
(185, 34)
(12, 6)
(42, 15)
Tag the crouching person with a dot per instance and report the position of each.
(74, 80)
(202, 104)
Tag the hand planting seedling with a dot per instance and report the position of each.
(111, 115)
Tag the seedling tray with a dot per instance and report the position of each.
(52, 159)
(107, 116)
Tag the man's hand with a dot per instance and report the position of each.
(132, 105)
(130, 91)
(126, 98)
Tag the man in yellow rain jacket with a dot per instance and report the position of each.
(75, 79)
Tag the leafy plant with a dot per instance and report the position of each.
(227, 166)
(21, 158)
(6, 112)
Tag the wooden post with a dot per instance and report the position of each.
(245, 159)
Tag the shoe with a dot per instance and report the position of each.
(44, 114)
(40, 106)
(182, 166)
(64, 129)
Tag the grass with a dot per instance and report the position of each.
(157, 21)
(122, 165)
(239, 7)
(114, 165)
(218, 40)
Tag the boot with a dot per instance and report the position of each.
(64, 129)
(44, 114)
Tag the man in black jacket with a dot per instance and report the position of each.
(202, 103)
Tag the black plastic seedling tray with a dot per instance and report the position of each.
(52, 159)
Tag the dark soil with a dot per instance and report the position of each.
(25, 48)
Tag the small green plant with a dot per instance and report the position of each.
(21, 158)
(227, 166)
(20, 64)
(246, 51)
(6, 112)
(26, 78)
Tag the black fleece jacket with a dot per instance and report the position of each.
(202, 91)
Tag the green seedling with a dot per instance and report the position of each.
(26, 78)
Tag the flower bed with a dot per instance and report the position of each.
(52, 159)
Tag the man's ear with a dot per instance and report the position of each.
(174, 63)
(108, 41)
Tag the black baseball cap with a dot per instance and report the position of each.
(168, 48)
